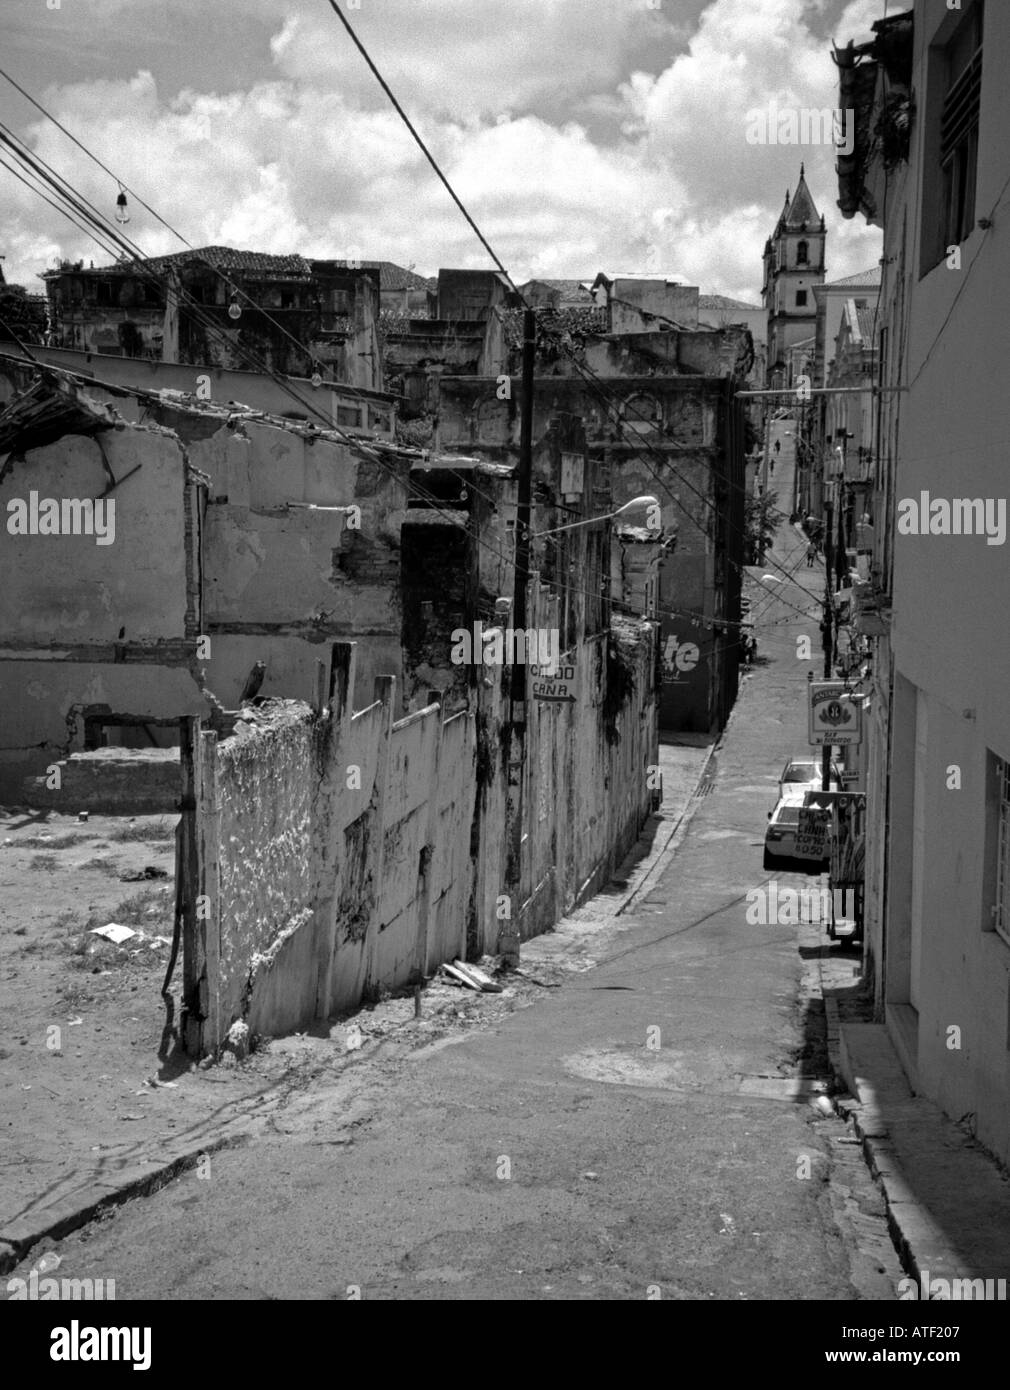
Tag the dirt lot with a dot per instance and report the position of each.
(92, 1082)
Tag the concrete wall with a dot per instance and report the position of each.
(931, 933)
(88, 627)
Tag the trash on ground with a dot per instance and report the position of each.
(473, 978)
(114, 931)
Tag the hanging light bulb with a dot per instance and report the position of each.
(122, 216)
(234, 308)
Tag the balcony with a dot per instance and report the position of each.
(871, 609)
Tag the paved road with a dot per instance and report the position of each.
(632, 1133)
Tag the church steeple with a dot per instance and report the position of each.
(793, 264)
(801, 210)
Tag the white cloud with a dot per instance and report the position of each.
(578, 134)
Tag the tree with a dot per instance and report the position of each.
(23, 314)
(762, 518)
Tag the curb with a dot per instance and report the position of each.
(19, 1237)
(909, 1223)
(669, 847)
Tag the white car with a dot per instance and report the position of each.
(785, 847)
(804, 774)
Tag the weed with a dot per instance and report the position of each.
(162, 830)
(102, 866)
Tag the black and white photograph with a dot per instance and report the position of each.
(504, 670)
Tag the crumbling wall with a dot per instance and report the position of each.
(344, 852)
(335, 860)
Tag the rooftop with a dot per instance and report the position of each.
(862, 279)
(721, 301)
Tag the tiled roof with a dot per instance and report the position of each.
(572, 290)
(865, 320)
(862, 279)
(397, 277)
(721, 301)
(226, 258)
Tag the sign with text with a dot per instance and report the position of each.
(559, 684)
(835, 716)
(573, 467)
(812, 840)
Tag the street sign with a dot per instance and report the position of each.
(836, 716)
(812, 834)
(560, 684)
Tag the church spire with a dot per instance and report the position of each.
(801, 210)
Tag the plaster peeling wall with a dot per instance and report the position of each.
(342, 852)
(265, 883)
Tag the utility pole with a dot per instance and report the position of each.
(826, 624)
(509, 937)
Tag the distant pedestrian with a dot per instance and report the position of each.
(778, 445)
(811, 555)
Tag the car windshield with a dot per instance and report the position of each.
(800, 772)
(788, 815)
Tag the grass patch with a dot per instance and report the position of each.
(48, 842)
(133, 912)
(102, 866)
(162, 830)
(45, 863)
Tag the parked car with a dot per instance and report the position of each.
(802, 773)
(784, 848)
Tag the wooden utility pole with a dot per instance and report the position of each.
(510, 936)
(826, 628)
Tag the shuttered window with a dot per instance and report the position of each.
(959, 122)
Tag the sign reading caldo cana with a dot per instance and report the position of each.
(835, 717)
(559, 682)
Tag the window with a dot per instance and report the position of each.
(801, 298)
(950, 167)
(802, 257)
(959, 127)
(999, 855)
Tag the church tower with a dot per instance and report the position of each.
(793, 264)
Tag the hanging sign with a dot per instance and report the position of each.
(835, 715)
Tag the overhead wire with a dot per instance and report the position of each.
(81, 205)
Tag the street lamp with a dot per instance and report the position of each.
(648, 502)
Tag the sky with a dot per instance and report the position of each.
(582, 135)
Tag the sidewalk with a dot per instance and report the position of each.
(948, 1202)
(101, 1119)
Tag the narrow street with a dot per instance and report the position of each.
(649, 1129)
